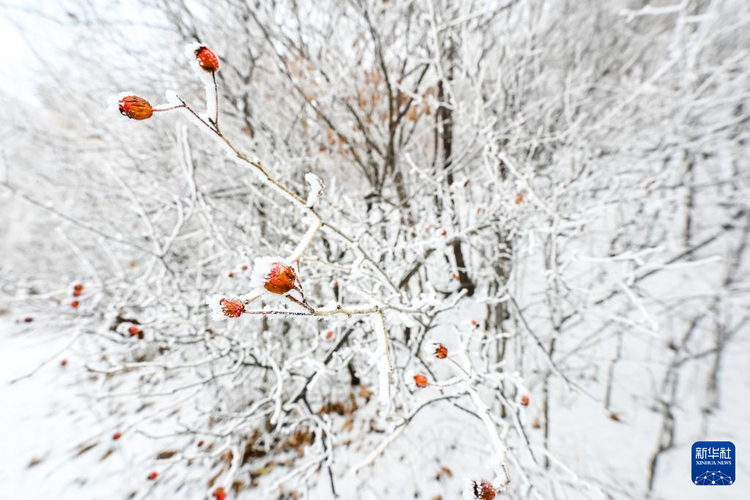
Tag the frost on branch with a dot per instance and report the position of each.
(497, 444)
(316, 188)
(385, 366)
(306, 240)
(443, 187)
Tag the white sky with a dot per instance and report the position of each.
(26, 27)
(36, 34)
(15, 77)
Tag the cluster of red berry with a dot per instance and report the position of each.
(77, 291)
(441, 352)
(243, 268)
(219, 493)
(138, 108)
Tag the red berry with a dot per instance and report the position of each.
(207, 59)
(63, 362)
(444, 232)
(78, 287)
(135, 108)
(28, 319)
(133, 331)
(441, 352)
(281, 278)
(244, 268)
(525, 400)
(76, 293)
(232, 308)
(420, 380)
(329, 334)
(200, 443)
(474, 322)
(519, 199)
(231, 275)
(484, 490)
(75, 304)
(219, 493)
(153, 476)
(117, 435)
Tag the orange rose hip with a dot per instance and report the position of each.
(135, 108)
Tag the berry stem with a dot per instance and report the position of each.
(297, 199)
(302, 303)
(204, 122)
(216, 97)
(157, 110)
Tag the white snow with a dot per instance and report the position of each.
(612, 293)
(316, 188)
(384, 363)
(214, 303)
(307, 239)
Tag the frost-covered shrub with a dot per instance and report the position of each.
(387, 249)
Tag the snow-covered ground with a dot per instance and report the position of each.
(57, 440)
(45, 418)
